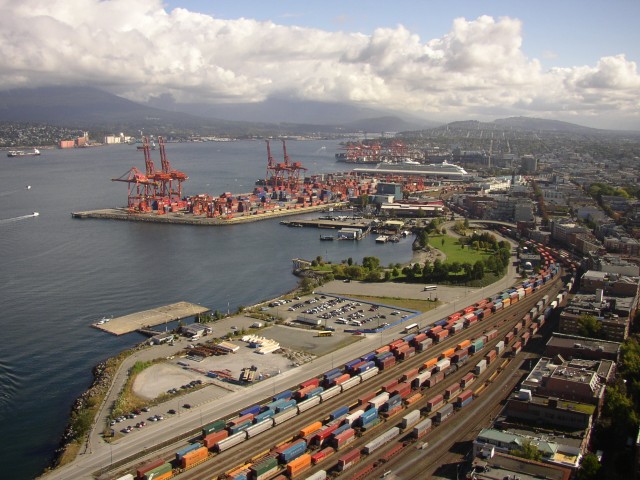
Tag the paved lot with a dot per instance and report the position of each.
(307, 340)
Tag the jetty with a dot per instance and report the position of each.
(150, 318)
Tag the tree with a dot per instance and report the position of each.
(478, 270)
(442, 241)
(371, 263)
(527, 451)
(589, 467)
(306, 284)
(589, 326)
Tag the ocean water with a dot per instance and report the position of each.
(59, 275)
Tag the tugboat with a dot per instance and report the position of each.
(23, 153)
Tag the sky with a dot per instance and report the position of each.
(441, 60)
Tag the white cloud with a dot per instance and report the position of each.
(139, 50)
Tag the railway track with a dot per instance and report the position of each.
(503, 321)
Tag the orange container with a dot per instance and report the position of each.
(299, 465)
(448, 353)
(309, 429)
(194, 457)
(430, 363)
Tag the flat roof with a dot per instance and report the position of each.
(152, 317)
(571, 341)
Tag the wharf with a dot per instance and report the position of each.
(183, 218)
(150, 318)
(333, 224)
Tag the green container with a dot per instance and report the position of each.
(263, 467)
(156, 472)
(213, 427)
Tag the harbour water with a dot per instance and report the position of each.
(60, 274)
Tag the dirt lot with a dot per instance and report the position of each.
(307, 340)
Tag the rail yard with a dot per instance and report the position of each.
(355, 420)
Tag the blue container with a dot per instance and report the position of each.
(254, 409)
(241, 426)
(408, 338)
(339, 430)
(350, 364)
(395, 400)
(274, 405)
(315, 392)
(365, 367)
(368, 357)
(190, 448)
(425, 330)
(339, 413)
(476, 346)
(465, 402)
(329, 379)
(441, 323)
(293, 452)
(286, 406)
(479, 313)
(263, 416)
(369, 414)
(286, 395)
(333, 372)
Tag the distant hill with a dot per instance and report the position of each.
(529, 123)
(90, 108)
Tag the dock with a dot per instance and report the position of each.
(185, 218)
(328, 224)
(150, 318)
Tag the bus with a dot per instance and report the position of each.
(409, 328)
(430, 288)
(325, 333)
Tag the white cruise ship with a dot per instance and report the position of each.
(439, 170)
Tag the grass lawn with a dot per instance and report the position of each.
(451, 248)
(408, 303)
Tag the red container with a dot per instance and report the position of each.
(453, 317)
(403, 389)
(314, 382)
(434, 402)
(470, 309)
(467, 380)
(355, 367)
(285, 446)
(418, 338)
(242, 419)
(492, 334)
(322, 435)
(388, 362)
(344, 439)
(413, 398)
(437, 378)
(213, 438)
(349, 459)
(441, 335)
(465, 395)
(140, 471)
(408, 353)
(303, 392)
(452, 391)
(409, 375)
(508, 337)
(389, 386)
(342, 379)
(386, 348)
(397, 347)
(486, 312)
(435, 330)
(460, 355)
(364, 399)
(393, 344)
(393, 411)
(525, 337)
(490, 357)
(481, 303)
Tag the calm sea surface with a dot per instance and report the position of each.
(59, 275)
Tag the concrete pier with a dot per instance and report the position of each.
(150, 318)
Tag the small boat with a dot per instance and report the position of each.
(23, 153)
(382, 239)
(36, 214)
(326, 238)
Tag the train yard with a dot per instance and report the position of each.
(412, 374)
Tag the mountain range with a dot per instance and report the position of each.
(93, 109)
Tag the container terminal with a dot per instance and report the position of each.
(157, 195)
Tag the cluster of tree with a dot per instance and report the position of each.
(370, 270)
(208, 317)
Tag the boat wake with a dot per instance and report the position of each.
(17, 219)
(9, 385)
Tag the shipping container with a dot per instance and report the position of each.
(281, 417)
(460, 356)
(517, 347)
(353, 381)
(413, 398)
(476, 346)
(444, 413)
(320, 475)
(286, 406)
(348, 460)
(422, 428)
(349, 419)
(253, 410)
(410, 419)
(286, 395)
(420, 379)
(424, 344)
(241, 419)
(325, 433)
(128, 476)
(294, 451)
(367, 357)
(345, 438)
(210, 440)
(448, 353)
(434, 403)
(140, 471)
(184, 450)
(490, 357)
(379, 400)
(435, 378)
(321, 455)
(409, 375)
(387, 363)
(233, 429)
(158, 471)
(443, 364)
(299, 465)
(452, 391)
(339, 413)
(364, 399)
(403, 389)
(330, 392)
(193, 458)
(467, 380)
(265, 469)
(213, 427)
(381, 440)
(429, 364)
(390, 385)
(441, 336)
(481, 366)
(463, 344)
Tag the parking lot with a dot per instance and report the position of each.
(336, 313)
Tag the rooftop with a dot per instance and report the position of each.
(573, 341)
